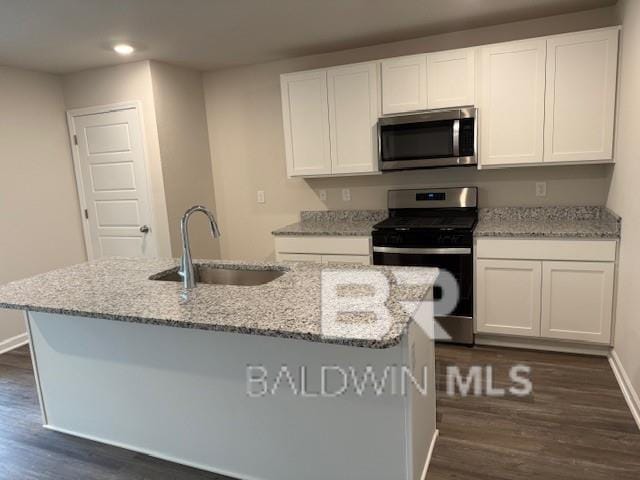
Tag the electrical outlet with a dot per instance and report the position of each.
(346, 195)
(323, 195)
(260, 196)
(541, 189)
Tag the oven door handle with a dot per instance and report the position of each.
(424, 251)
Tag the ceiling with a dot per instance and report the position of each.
(63, 36)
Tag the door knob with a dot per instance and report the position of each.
(144, 229)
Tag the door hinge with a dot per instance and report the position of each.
(75, 139)
(86, 214)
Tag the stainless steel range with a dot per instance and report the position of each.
(434, 228)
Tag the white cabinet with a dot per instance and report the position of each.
(353, 116)
(577, 301)
(299, 257)
(321, 249)
(404, 84)
(546, 288)
(511, 102)
(329, 118)
(580, 99)
(305, 115)
(508, 297)
(338, 259)
(451, 78)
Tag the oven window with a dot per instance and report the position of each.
(414, 141)
(460, 266)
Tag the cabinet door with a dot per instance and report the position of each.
(299, 257)
(404, 84)
(337, 259)
(577, 300)
(305, 115)
(508, 297)
(451, 78)
(511, 103)
(580, 99)
(353, 116)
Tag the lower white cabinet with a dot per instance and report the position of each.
(508, 297)
(543, 295)
(324, 249)
(577, 300)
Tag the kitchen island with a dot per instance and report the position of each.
(246, 381)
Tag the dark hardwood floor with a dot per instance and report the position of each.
(575, 426)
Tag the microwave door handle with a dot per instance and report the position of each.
(456, 138)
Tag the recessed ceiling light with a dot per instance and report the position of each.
(123, 49)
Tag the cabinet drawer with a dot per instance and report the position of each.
(338, 259)
(298, 257)
(324, 245)
(534, 249)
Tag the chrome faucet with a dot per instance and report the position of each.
(186, 264)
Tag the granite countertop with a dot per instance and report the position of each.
(548, 222)
(290, 306)
(355, 223)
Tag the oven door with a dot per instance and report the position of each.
(427, 140)
(457, 324)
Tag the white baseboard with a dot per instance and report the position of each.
(630, 394)
(429, 455)
(14, 342)
(542, 344)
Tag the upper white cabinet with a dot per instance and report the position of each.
(451, 78)
(305, 115)
(546, 100)
(404, 84)
(353, 116)
(580, 100)
(511, 102)
(329, 119)
(549, 100)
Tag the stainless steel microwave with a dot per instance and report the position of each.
(428, 139)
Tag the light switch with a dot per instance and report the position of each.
(322, 194)
(541, 189)
(346, 195)
(260, 196)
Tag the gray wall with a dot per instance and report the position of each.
(624, 197)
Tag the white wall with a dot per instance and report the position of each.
(122, 83)
(624, 196)
(184, 148)
(247, 145)
(39, 210)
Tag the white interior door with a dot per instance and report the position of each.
(112, 181)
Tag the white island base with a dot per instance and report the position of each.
(181, 395)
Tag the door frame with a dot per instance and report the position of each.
(75, 153)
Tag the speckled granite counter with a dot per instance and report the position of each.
(290, 306)
(355, 223)
(548, 222)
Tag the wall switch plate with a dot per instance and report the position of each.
(541, 189)
(346, 195)
(322, 194)
(260, 196)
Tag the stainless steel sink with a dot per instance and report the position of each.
(215, 275)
